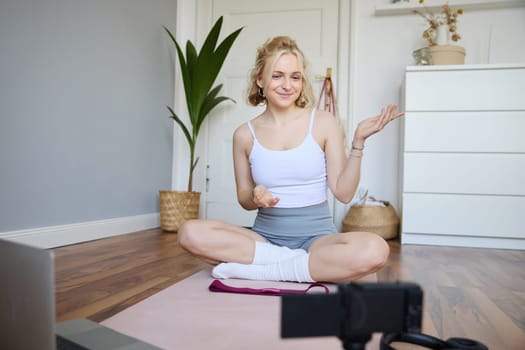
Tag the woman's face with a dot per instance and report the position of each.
(282, 85)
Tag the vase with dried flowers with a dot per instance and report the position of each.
(442, 25)
(442, 28)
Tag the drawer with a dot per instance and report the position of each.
(463, 215)
(481, 131)
(464, 173)
(463, 90)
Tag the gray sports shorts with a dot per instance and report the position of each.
(294, 227)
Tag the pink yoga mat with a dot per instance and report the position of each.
(188, 316)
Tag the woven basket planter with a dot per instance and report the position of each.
(177, 207)
(380, 220)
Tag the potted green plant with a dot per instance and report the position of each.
(199, 72)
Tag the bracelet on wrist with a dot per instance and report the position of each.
(356, 153)
(357, 148)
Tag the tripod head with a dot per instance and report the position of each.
(354, 313)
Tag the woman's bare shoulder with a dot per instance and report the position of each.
(327, 123)
(324, 115)
(242, 134)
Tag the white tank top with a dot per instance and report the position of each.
(297, 176)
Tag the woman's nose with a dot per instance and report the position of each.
(286, 83)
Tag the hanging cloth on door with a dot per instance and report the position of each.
(327, 96)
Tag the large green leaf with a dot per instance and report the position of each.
(219, 55)
(204, 77)
(211, 40)
(186, 79)
(207, 57)
(182, 126)
(191, 61)
(223, 50)
(209, 63)
(210, 102)
(205, 109)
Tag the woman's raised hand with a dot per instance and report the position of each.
(372, 125)
(263, 198)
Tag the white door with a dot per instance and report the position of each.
(314, 25)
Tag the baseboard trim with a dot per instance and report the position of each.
(463, 241)
(56, 236)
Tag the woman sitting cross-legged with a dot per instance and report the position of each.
(285, 159)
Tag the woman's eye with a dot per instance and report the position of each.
(276, 76)
(296, 77)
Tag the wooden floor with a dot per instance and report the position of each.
(476, 293)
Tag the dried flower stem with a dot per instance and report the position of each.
(447, 16)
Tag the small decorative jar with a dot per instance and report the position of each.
(422, 57)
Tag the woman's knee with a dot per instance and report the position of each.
(377, 252)
(189, 234)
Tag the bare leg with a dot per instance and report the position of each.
(343, 257)
(216, 241)
(339, 257)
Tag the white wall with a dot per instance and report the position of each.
(384, 45)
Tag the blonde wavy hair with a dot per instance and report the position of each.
(276, 47)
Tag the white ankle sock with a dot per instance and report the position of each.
(267, 253)
(293, 269)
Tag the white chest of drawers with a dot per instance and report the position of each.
(463, 156)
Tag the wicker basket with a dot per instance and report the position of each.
(177, 207)
(381, 220)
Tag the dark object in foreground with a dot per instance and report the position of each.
(359, 309)
(353, 313)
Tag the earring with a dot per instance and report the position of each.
(301, 98)
(261, 93)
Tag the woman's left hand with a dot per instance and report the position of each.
(372, 125)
